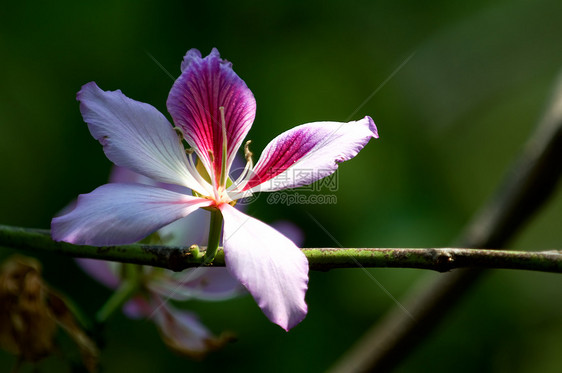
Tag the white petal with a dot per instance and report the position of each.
(103, 271)
(268, 264)
(136, 136)
(183, 332)
(116, 214)
(211, 284)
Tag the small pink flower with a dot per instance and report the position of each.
(215, 110)
(180, 329)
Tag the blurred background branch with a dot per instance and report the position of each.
(527, 186)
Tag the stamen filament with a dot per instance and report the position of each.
(193, 170)
(249, 165)
(224, 150)
(247, 153)
(180, 134)
(213, 179)
(247, 178)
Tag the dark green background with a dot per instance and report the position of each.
(451, 120)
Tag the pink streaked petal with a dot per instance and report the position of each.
(309, 152)
(103, 271)
(268, 264)
(211, 284)
(183, 332)
(116, 214)
(204, 85)
(136, 136)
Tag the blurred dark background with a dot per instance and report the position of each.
(450, 120)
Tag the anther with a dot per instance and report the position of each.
(179, 132)
(247, 153)
(211, 156)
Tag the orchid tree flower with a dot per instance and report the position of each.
(213, 110)
(181, 329)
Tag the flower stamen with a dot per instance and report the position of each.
(223, 175)
(193, 170)
(213, 179)
(179, 132)
(247, 153)
(246, 173)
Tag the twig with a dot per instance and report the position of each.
(529, 184)
(179, 258)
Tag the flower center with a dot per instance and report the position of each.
(225, 191)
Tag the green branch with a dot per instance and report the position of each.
(179, 258)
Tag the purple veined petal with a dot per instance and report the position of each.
(211, 284)
(205, 85)
(268, 264)
(136, 136)
(116, 214)
(192, 55)
(103, 271)
(183, 332)
(309, 152)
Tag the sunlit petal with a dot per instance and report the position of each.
(122, 213)
(183, 332)
(309, 152)
(135, 135)
(268, 264)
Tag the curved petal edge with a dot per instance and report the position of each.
(268, 264)
(115, 214)
(308, 153)
(206, 85)
(136, 136)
